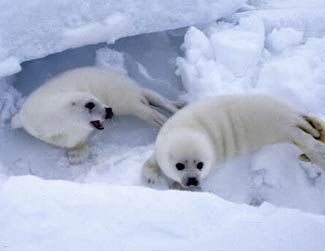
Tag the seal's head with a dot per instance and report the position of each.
(88, 110)
(185, 156)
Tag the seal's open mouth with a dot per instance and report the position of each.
(97, 124)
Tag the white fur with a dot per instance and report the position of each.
(222, 128)
(48, 115)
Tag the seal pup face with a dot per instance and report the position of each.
(187, 157)
(88, 110)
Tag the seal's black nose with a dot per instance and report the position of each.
(192, 181)
(109, 113)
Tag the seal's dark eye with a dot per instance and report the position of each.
(199, 165)
(90, 105)
(180, 166)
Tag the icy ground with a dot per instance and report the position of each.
(274, 47)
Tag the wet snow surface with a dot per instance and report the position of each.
(267, 200)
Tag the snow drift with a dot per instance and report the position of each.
(35, 29)
(57, 215)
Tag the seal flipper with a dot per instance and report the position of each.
(304, 157)
(317, 124)
(157, 100)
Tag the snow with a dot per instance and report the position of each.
(239, 48)
(229, 57)
(109, 58)
(9, 102)
(280, 39)
(287, 4)
(266, 200)
(304, 16)
(42, 28)
(9, 66)
(298, 70)
(98, 216)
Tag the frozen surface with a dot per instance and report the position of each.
(99, 217)
(277, 48)
(45, 27)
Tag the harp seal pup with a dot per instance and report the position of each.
(200, 137)
(66, 109)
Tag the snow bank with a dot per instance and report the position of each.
(225, 62)
(297, 74)
(45, 27)
(240, 47)
(58, 215)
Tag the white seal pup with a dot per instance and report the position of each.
(63, 119)
(205, 134)
(66, 109)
